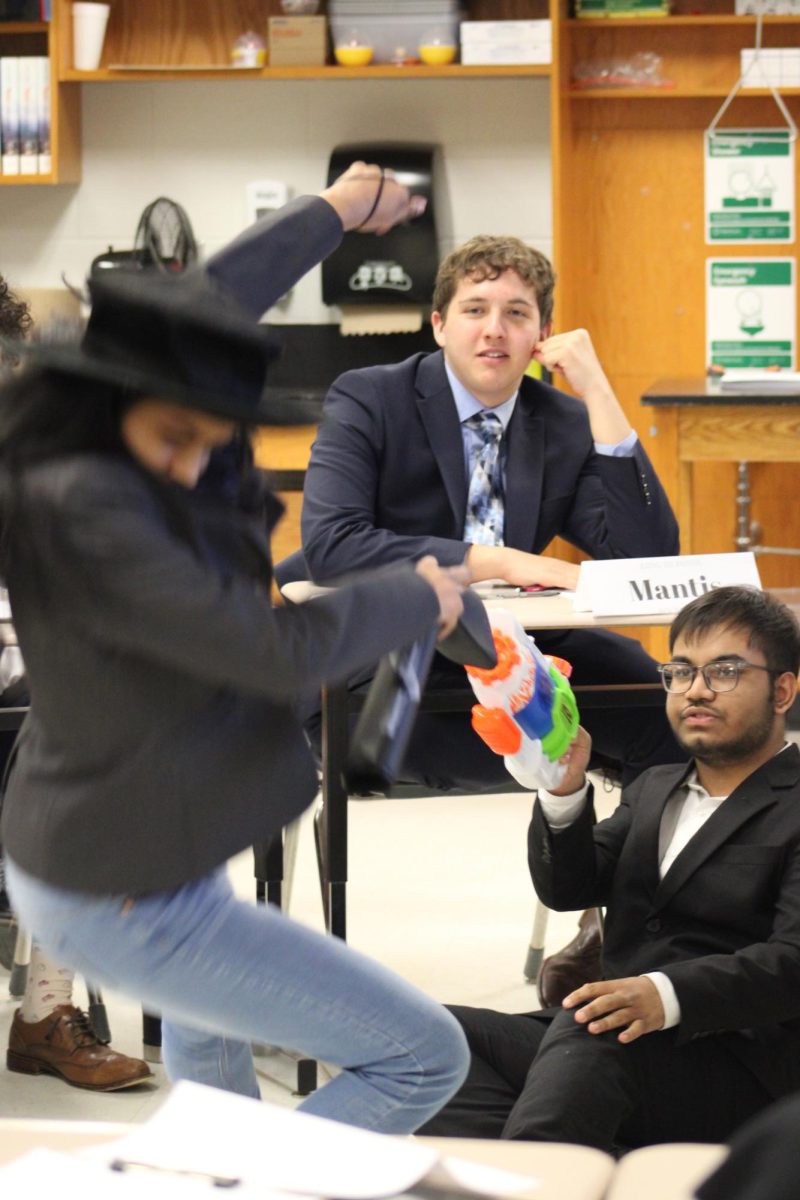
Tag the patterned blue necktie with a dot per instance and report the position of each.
(485, 514)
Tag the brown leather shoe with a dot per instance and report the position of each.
(578, 963)
(65, 1044)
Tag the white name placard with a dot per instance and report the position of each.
(638, 586)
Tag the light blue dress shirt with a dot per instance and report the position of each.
(467, 406)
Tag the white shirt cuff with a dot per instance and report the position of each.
(669, 1001)
(623, 449)
(561, 811)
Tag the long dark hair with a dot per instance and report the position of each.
(44, 415)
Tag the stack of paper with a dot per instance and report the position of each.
(758, 382)
(201, 1137)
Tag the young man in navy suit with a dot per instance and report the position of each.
(393, 468)
(695, 1024)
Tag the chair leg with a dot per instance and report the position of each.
(151, 1037)
(268, 870)
(273, 865)
(98, 1015)
(19, 968)
(535, 953)
(291, 840)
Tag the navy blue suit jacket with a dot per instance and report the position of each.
(387, 479)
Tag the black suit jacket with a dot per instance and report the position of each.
(724, 922)
(764, 1162)
(387, 480)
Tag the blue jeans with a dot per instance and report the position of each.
(224, 973)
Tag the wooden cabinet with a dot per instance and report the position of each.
(700, 53)
(629, 233)
(21, 38)
(179, 39)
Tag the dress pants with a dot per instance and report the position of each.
(444, 752)
(542, 1077)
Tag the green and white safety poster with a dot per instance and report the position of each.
(750, 186)
(750, 312)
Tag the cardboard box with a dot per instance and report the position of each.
(297, 41)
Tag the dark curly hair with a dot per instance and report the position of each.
(769, 624)
(15, 317)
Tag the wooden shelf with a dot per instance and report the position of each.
(710, 19)
(135, 74)
(42, 38)
(643, 93)
(18, 27)
(700, 56)
(26, 180)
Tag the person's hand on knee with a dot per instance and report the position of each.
(631, 1005)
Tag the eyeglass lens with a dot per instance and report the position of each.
(719, 676)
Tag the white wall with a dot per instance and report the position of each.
(201, 142)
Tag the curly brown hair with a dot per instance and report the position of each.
(487, 257)
(15, 317)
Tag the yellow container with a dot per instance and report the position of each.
(353, 56)
(437, 55)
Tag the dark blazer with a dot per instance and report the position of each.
(723, 924)
(387, 480)
(764, 1162)
(162, 736)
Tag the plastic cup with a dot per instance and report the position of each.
(89, 22)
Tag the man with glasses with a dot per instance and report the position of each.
(695, 1025)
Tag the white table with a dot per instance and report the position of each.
(564, 1172)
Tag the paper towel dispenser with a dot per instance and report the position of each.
(400, 266)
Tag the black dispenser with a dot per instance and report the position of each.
(399, 267)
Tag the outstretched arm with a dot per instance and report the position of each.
(263, 262)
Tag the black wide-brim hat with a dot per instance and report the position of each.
(175, 339)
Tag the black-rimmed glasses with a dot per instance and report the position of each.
(720, 676)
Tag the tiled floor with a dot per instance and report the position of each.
(439, 891)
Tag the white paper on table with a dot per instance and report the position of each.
(265, 1146)
(49, 1173)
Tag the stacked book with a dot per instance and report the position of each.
(25, 116)
(622, 8)
(757, 382)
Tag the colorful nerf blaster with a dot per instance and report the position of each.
(526, 710)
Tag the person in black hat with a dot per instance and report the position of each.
(162, 737)
(59, 1037)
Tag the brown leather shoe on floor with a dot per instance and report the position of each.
(576, 964)
(65, 1044)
